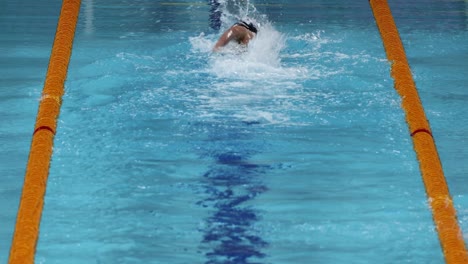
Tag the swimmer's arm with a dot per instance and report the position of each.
(223, 40)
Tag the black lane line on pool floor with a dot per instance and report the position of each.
(232, 182)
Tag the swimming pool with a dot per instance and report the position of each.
(296, 151)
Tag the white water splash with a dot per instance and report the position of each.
(251, 83)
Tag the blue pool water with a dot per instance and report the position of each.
(295, 151)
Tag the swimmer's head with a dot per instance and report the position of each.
(252, 24)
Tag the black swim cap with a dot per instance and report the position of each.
(250, 26)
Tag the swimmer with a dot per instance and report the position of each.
(241, 32)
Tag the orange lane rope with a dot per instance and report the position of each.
(443, 210)
(23, 246)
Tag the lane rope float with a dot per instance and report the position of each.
(28, 218)
(443, 210)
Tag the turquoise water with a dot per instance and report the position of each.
(295, 151)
